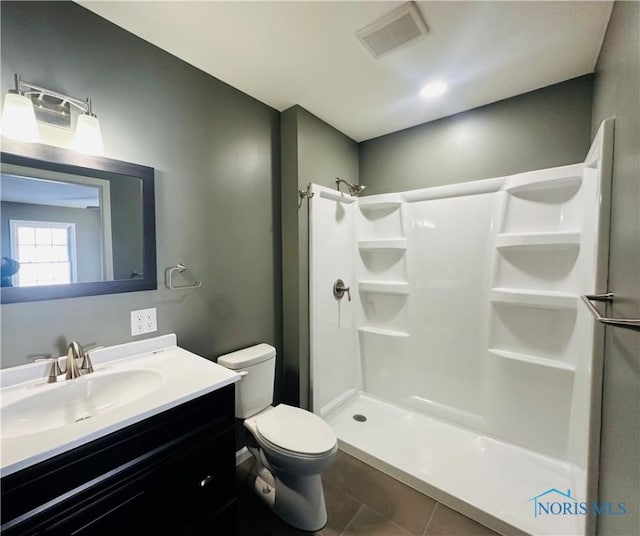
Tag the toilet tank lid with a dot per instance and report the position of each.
(247, 356)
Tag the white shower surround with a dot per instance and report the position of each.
(465, 344)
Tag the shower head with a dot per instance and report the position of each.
(354, 189)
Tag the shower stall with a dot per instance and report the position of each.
(461, 360)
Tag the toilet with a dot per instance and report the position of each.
(292, 446)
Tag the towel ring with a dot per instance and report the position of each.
(168, 280)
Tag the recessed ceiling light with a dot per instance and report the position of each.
(435, 89)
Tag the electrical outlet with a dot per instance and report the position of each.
(143, 321)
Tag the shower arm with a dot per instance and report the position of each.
(354, 189)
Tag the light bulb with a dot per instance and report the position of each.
(88, 138)
(19, 119)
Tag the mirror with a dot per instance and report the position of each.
(73, 225)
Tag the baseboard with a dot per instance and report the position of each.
(242, 455)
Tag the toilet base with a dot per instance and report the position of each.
(300, 501)
(296, 499)
(265, 491)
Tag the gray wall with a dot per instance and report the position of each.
(88, 232)
(312, 151)
(617, 94)
(324, 153)
(544, 128)
(216, 153)
(126, 226)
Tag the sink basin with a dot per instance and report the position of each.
(132, 382)
(73, 401)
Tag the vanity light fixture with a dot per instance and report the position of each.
(28, 100)
(88, 137)
(432, 90)
(18, 117)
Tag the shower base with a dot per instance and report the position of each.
(482, 477)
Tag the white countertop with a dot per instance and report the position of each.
(184, 376)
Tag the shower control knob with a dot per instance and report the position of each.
(339, 290)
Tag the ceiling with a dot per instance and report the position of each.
(306, 53)
(17, 189)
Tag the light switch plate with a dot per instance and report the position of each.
(143, 321)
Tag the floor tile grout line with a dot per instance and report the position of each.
(430, 518)
(371, 507)
(393, 523)
(363, 505)
(389, 520)
(354, 516)
(341, 490)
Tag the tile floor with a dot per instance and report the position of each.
(361, 501)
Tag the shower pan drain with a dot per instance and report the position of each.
(359, 418)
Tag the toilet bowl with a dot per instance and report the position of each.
(292, 446)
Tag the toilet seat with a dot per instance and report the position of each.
(296, 432)
(272, 449)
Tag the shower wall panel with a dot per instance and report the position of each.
(446, 259)
(335, 373)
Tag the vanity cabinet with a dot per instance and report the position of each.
(173, 474)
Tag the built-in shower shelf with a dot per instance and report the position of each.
(384, 332)
(335, 195)
(533, 360)
(389, 244)
(384, 287)
(543, 299)
(565, 182)
(538, 241)
(390, 202)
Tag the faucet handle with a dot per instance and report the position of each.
(86, 362)
(54, 369)
(339, 290)
(86, 358)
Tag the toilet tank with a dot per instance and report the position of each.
(254, 391)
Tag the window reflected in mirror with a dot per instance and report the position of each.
(44, 251)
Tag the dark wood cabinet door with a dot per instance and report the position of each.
(220, 523)
(127, 509)
(202, 479)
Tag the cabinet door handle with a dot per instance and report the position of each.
(206, 481)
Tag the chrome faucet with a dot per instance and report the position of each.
(75, 352)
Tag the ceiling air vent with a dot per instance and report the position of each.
(399, 28)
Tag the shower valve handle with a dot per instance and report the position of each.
(339, 290)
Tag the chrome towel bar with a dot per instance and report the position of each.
(627, 323)
(168, 275)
